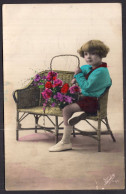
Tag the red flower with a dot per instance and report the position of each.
(48, 85)
(65, 88)
(54, 78)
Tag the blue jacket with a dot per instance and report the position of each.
(96, 83)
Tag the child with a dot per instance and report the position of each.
(93, 80)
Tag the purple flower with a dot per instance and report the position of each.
(68, 99)
(53, 104)
(40, 83)
(54, 96)
(59, 96)
(37, 78)
(44, 77)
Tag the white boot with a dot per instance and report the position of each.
(65, 143)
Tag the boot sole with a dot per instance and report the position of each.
(77, 119)
(61, 150)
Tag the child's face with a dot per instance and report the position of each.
(92, 58)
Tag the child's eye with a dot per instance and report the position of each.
(93, 53)
(85, 53)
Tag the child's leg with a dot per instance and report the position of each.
(65, 143)
(68, 112)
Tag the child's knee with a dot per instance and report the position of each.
(67, 109)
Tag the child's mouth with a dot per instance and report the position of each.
(89, 61)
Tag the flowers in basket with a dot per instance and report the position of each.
(54, 92)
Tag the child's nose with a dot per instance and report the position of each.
(88, 55)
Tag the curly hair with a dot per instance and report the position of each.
(95, 46)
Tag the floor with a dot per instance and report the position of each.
(30, 166)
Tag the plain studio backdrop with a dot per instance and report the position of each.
(34, 33)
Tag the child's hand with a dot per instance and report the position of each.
(73, 81)
(78, 70)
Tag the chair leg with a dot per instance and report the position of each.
(108, 127)
(17, 134)
(17, 126)
(74, 133)
(56, 129)
(99, 135)
(36, 122)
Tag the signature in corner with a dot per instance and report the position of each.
(110, 179)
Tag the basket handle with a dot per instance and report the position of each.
(64, 56)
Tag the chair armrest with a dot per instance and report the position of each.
(26, 98)
(29, 96)
(15, 96)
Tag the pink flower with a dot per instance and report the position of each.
(46, 93)
(51, 76)
(74, 89)
(44, 104)
(57, 82)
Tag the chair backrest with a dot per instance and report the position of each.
(103, 101)
(65, 76)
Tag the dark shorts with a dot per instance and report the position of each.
(88, 104)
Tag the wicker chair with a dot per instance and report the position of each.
(29, 102)
(100, 117)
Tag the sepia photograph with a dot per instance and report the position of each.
(63, 96)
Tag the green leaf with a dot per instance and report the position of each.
(42, 81)
(54, 92)
(41, 86)
(51, 100)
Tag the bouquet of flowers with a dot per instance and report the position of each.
(54, 92)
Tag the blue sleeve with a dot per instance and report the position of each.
(84, 69)
(96, 81)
